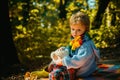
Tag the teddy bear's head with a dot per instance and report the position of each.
(59, 53)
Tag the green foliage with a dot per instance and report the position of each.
(38, 42)
(108, 33)
(106, 36)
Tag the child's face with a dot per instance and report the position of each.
(77, 29)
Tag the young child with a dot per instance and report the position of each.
(83, 54)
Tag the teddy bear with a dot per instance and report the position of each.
(58, 54)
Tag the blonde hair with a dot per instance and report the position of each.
(80, 18)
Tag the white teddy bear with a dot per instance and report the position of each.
(59, 54)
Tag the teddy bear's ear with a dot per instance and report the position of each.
(52, 54)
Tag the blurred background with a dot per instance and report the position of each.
(34, 28)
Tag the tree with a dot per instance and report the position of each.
(26, 12)
(62, 6)
(7, 48)
(102, 5)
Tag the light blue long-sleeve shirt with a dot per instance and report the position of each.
(84, 59)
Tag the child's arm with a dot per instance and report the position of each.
(83, 56)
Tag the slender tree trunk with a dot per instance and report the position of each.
(62, 6)
(8, 56)
(26, 12)
(101, 9)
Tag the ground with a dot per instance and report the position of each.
(109, 57)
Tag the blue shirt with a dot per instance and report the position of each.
(84, 58)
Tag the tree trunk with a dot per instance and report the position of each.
(26, 12)
(101, 9)
(7, 48)
(63, 12)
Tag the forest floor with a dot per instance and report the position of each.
(109, 57)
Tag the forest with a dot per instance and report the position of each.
(32, 29)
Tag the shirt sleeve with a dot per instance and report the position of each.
(82, 57)
(96, 51)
